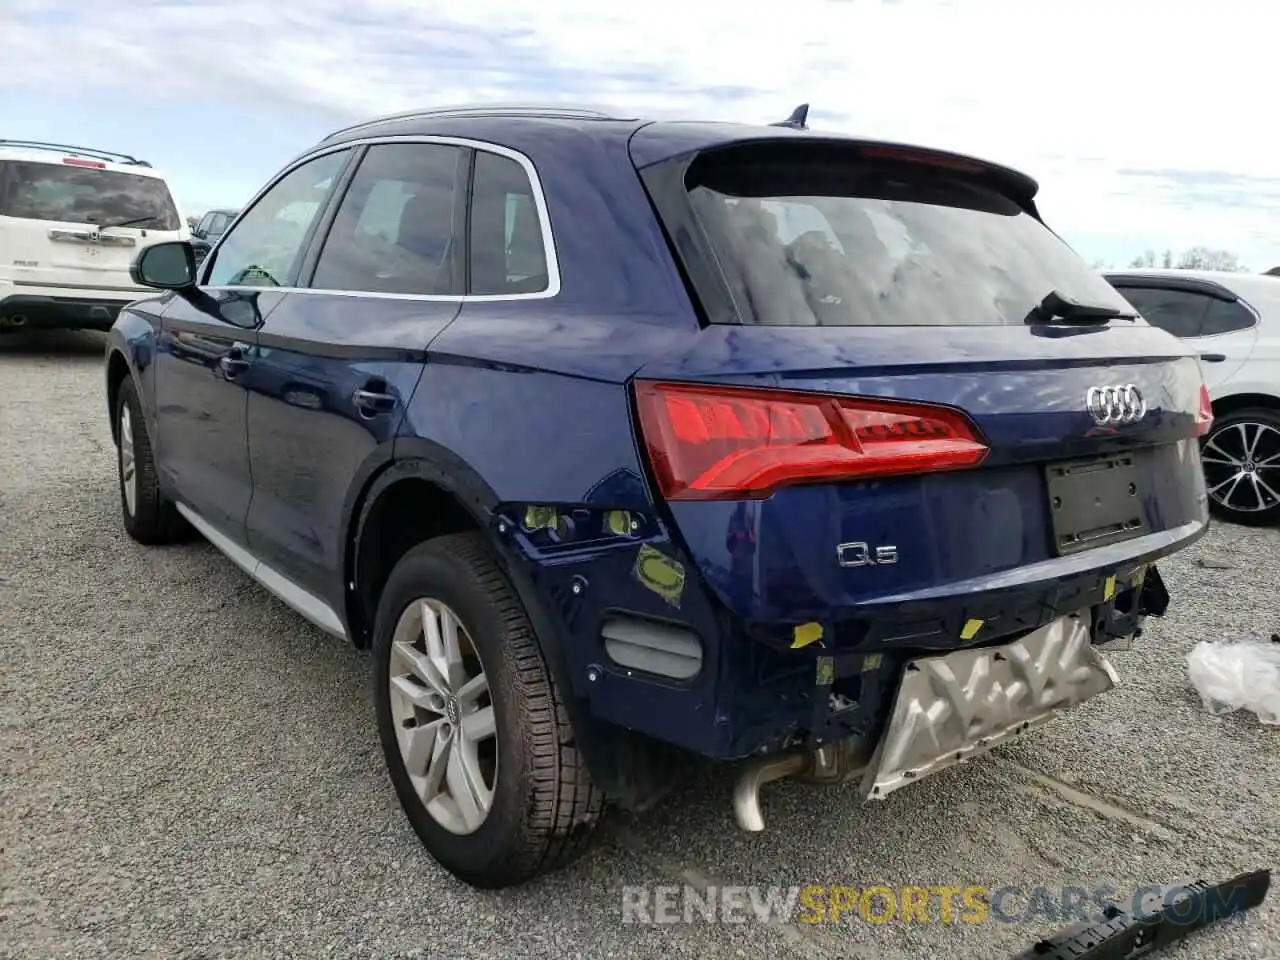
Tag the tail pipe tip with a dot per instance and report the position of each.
(746, 792)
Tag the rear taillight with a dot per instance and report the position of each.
(90, 164)
(708, 443)
(1204, 416)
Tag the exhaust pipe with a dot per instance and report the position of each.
(746, 792)
(831, 764)
(18, 320)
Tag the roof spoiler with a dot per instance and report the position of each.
(797, 119)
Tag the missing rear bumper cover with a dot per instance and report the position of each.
(951, 708)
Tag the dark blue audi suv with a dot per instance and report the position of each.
(624, 443)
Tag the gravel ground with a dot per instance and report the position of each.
(191, 770)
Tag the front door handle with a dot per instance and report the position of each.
(372, 402)
(1213, 357)
(234, 363)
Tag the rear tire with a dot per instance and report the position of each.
(149, 518)
(540, 810)
(1241, 457)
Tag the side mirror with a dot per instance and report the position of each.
(165, 266)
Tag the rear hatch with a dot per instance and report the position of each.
(76, 224)
(882, 408)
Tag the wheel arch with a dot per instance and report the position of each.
(633, 771)
(1235, 402)
(118, 370)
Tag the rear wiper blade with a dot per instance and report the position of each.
(127, 223)
(1059, 308)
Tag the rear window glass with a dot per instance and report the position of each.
(821, 237)
(46, 191)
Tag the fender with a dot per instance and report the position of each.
(610, 753)
(133, 338)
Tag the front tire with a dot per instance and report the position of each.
(476, 737)
(149, 518)
(1241, 457)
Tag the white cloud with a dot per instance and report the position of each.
(1090, 97)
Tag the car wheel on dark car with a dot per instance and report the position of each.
(475, 733)
(1241, 457)
(149, 517)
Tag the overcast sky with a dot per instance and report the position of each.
(1148, 124)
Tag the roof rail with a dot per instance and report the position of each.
(499, 109)
(107, 155)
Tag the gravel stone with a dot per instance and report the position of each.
(190, 770)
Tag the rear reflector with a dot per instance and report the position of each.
(77, 162)
(709, 443)
(1204, 416)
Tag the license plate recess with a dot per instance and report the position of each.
(1094, 501)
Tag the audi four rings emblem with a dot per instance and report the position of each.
(1118, 403)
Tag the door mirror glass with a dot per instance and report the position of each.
(165, 266)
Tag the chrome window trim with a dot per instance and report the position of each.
(550, 253)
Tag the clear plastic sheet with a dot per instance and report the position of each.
(1237, 676)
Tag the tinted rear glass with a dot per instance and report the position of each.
(822, 237)
(46, 191)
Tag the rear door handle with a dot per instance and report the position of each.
(234, 363)
(372, 402)
(1213, 357)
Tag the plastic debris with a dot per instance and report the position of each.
(1237, 676)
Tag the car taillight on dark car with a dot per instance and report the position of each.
(713, 442)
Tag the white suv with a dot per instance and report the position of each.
(1233, 320)
(71, 221)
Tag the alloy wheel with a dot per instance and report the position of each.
(128, 463)
(443, 716)
(1242, 466)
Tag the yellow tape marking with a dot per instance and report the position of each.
(1109, 589)
(970, 629)
(805, 634)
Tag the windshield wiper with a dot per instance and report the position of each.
(1059, 308)
(127, 223)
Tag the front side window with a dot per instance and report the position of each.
(1180, 312)
(507, 251)
(86, 195)
(398, 228)
(266, 245)
(217, 224)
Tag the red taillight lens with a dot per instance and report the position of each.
(91, 164)
(1204, 416)
(708, 443)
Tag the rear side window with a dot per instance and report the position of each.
(808, 235)
(507, 252)
(1181, 312)
(66, 194)
(397, 228)
(1224, 317)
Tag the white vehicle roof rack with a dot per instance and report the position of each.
(66, 148)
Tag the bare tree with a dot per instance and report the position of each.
(1197, 258)
(1206, 258)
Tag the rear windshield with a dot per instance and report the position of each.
(810, 236)
(65, 194)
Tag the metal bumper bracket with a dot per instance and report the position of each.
(953, 707)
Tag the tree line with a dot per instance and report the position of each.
(1196, 258)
